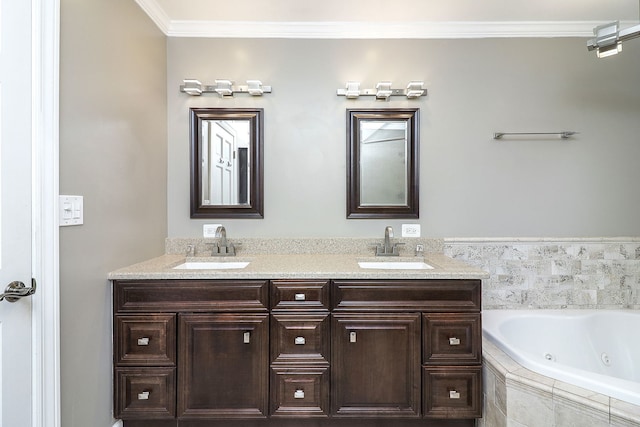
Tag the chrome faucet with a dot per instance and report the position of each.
(222, 248)
(386, 248)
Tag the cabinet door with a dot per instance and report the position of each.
(375, 365)
(223, 365)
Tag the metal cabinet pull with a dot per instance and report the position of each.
(298, 394)
(454, 341)
(16, 290)
(247, 337)
(299, 297)
(144, 395)
(300, 341)
(143, 341)
(454, 394)
(352, 337)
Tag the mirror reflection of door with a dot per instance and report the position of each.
(225, 162)
(383, 163)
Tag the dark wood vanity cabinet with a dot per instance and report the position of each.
(376, 365)
(317, 353)
(222, 368)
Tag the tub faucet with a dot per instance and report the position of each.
(386, 248)
(223, 248)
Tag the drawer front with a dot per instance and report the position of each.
(300, 295)
(452, 392)
(145, 393)
(300, 392)
(406, 295)
(300, 338)
(452, 339)
(145, 340)
(191, 295)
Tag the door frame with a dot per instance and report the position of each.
(45, 218)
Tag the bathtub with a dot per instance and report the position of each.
(597, 350)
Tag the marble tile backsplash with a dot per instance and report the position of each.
(554, 273)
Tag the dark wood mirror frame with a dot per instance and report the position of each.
(255, 206)
(355, 209)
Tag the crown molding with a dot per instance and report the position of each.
(379, 30)
(364, 29)
(157, 14)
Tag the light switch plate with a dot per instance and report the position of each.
(410, 230)
(71, 209)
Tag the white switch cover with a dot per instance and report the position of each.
(209, 230)
(410, 230)
(71, 210)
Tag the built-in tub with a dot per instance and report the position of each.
(594, 349)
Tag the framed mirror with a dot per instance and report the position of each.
(226, 162)
(382, 163)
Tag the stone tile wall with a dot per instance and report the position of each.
(554, 273)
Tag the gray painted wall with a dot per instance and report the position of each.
(113, 152)
(470, 185)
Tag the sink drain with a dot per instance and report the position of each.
(605, 359)
(549, 357)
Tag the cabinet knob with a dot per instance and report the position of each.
(300, 341)
(454, 394)
(298, 394)
(247, 337)
(352, 337)
(300, 297)
(454, 341)
(143, 341)
(144, 395)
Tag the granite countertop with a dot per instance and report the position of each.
(299, 266)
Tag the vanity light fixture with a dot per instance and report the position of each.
(224, 88)
(192, 86)
(415, 90)
(609, 37)
(353, 90)
(383, 90)
(255, 87)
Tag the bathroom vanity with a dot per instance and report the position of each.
(304, 340)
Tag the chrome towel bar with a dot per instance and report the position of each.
(565, 134)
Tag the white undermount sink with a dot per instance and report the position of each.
(395, 265)
(211, 265)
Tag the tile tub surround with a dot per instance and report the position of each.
(554, 272)
(517, 397)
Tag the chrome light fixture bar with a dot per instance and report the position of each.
(609, 37)
(383, 90)
(224, 88)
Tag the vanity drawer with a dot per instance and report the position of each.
(452, 392)
(145, 393)
(300, 338)
(191, 295)
(452, 339)
(300, 392)
(300, 295)
(147, 340)
(439, 296)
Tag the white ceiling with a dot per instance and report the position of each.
(387, 19)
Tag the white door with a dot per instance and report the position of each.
(223, 170)
(15, 211)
